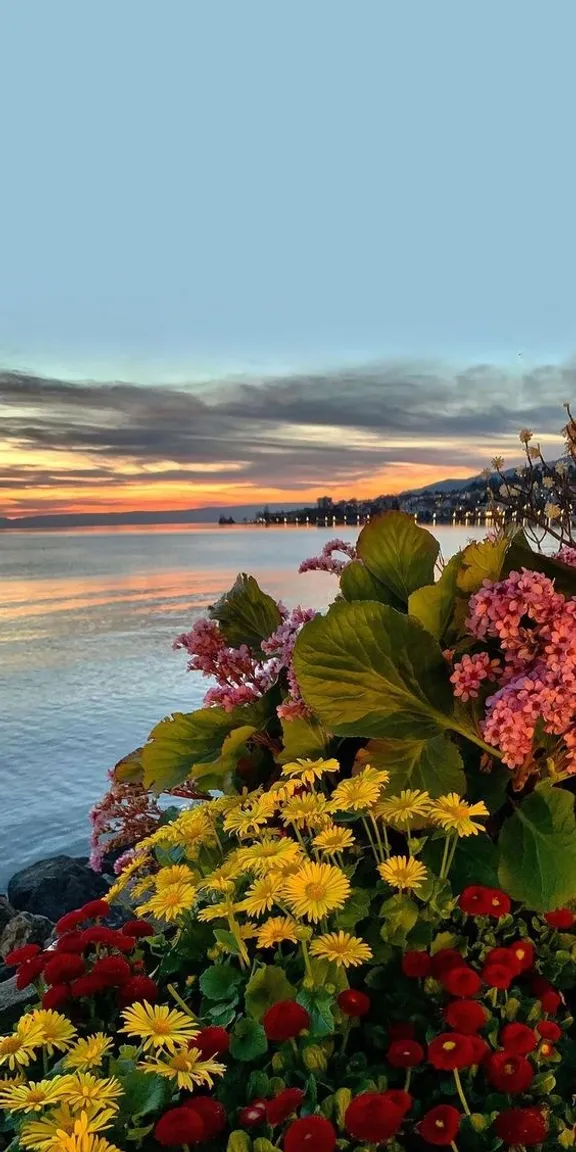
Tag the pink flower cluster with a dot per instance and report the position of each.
(125, 814)
(566, 555)
(280, 648)
(470, 672)
(326, 561)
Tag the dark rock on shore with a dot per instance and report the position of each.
(53, 887)
(6, 912)
(24, 928)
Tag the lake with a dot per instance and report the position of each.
(87, 620)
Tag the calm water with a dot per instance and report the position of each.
(87, 620)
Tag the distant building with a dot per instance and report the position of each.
(324, 503)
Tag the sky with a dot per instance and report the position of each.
(263, 251)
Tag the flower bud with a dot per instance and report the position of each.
(342, 1099)
(278, 1062)
(478, 1122)
(239, 1142)
(566, 1138)
(314, 1059)
(261, 1144)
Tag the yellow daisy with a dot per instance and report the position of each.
(175, 874)
(223, 910)
(315, 890)
(41, 1134)
(359, 793)
(306, 811)
(275, 931)
(159, 1026)
(410, 805)
(17, 1050)
(261, 896)
(342, 949)
(82, 1139)
(187, 1068)
(403, 872)
(334, 839)
(283, 790)
(455, 815)
(86, 1090)
(57, 1031)
(125, 877)
(168, 903)
(259, 856)
(88, 1052)
(308, 771)
(34, 1096)
(246, 820)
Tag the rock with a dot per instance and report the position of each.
(12, 1000)
(6, 912)
(24, 928)
(55, 886)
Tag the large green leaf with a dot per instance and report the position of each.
(475, 861)
(246, 614)
(433, 765)
(220, 981)
(248, 1040)
(398, 553)
(186, 740)
(358, 583)
(367, 670)
(302, 738)
(129, 769)
(480, 561)
(217, 774)
(538, 850)
(433, 605)
(521, 555)
(267, 986)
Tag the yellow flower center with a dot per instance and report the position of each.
(448, 1045)
(162, 1027)
(36, 1096)
(509, 1069)
(10, 1044)
(315, 891)
(438, 1123)
(181, 1062)
(545, 1050)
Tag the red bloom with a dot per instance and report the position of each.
(399, 1030)
(285, 1020)
(416, 965)
(138, 929)
(123, 942)
(550, 1001)
(475, 900)
(56, 996)
(211, 1041)
(525, 1126)
(353, 1003)
(548, 1030)
(508, 1072)
(179, 1126)
(405, 1054)
(95, 910)
(99, 934)
(440, 1125)
(518, 1038)
(63, 968)
(68, 922)
(29, 972)
(399, 1098)
(283, 1105)
(310, 1132)
(86, 986)
(70, 942)
(562, 919)
(450, 1050)
(465, 1016)
(444, 960)
(253, 1114)
(498, 976)
(211, 1112)
(480, 1049)
(461, 981)
(113, 971)
(503, 956)
(138, 988)
(499, 903)
(20, 955)
(524, 951)
(373, 1117)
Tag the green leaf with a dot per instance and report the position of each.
(319, 1005)
(433, 605)
(144, 1092)
(219, 981)
(480, 561)
(217, 774)
(130, 770)
(400, 915)
(248, 1040)
(475, 861)
(521, 555)
(538, 850)
(227, 940)
(367, 670)
(246, 614)
(355, 909)
(181, 744)
(303, 738)
(434, 766)
(398, 553)
(358, 583)
(266, 987)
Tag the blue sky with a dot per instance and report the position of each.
(195, 187)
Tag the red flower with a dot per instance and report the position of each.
(56, 996)
(480, 1049)
(461, 981)
(373, 1117)
(211, 1041)
(416, 965)
(85, 987)
(548, 1030)
(475, 900)
(310, 1132)
(563, 919)
(123, 942)
(283, 1105)
(399, 1098)
(95, 910)
(138, 988)
(70, 942)
(179, 1126)
(405, 1054)
(517, 1126)
(498, 976)
(139, 929)
(444, 960)
(20, 955)
(99, 934)
(211, 1112)
(253, 1114)
(30, 971)
(523, 951)
(503, 956)
(113, 971)
(465, 1016)
(63, 968)
(550, 1001)
(440, 1125)
(353, 1003)
(450, 1050)
(499, 903)
(285, 1020)
(399, 1030)
(518, 1038)
(508, 1072)
(68, 922)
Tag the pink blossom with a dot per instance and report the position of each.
(566, 555)
(469, 673)
(326, 561)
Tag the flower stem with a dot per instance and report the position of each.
(177, 997)
(309, 972)
(460, 1091)
(408, 1079)
(444, 859)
